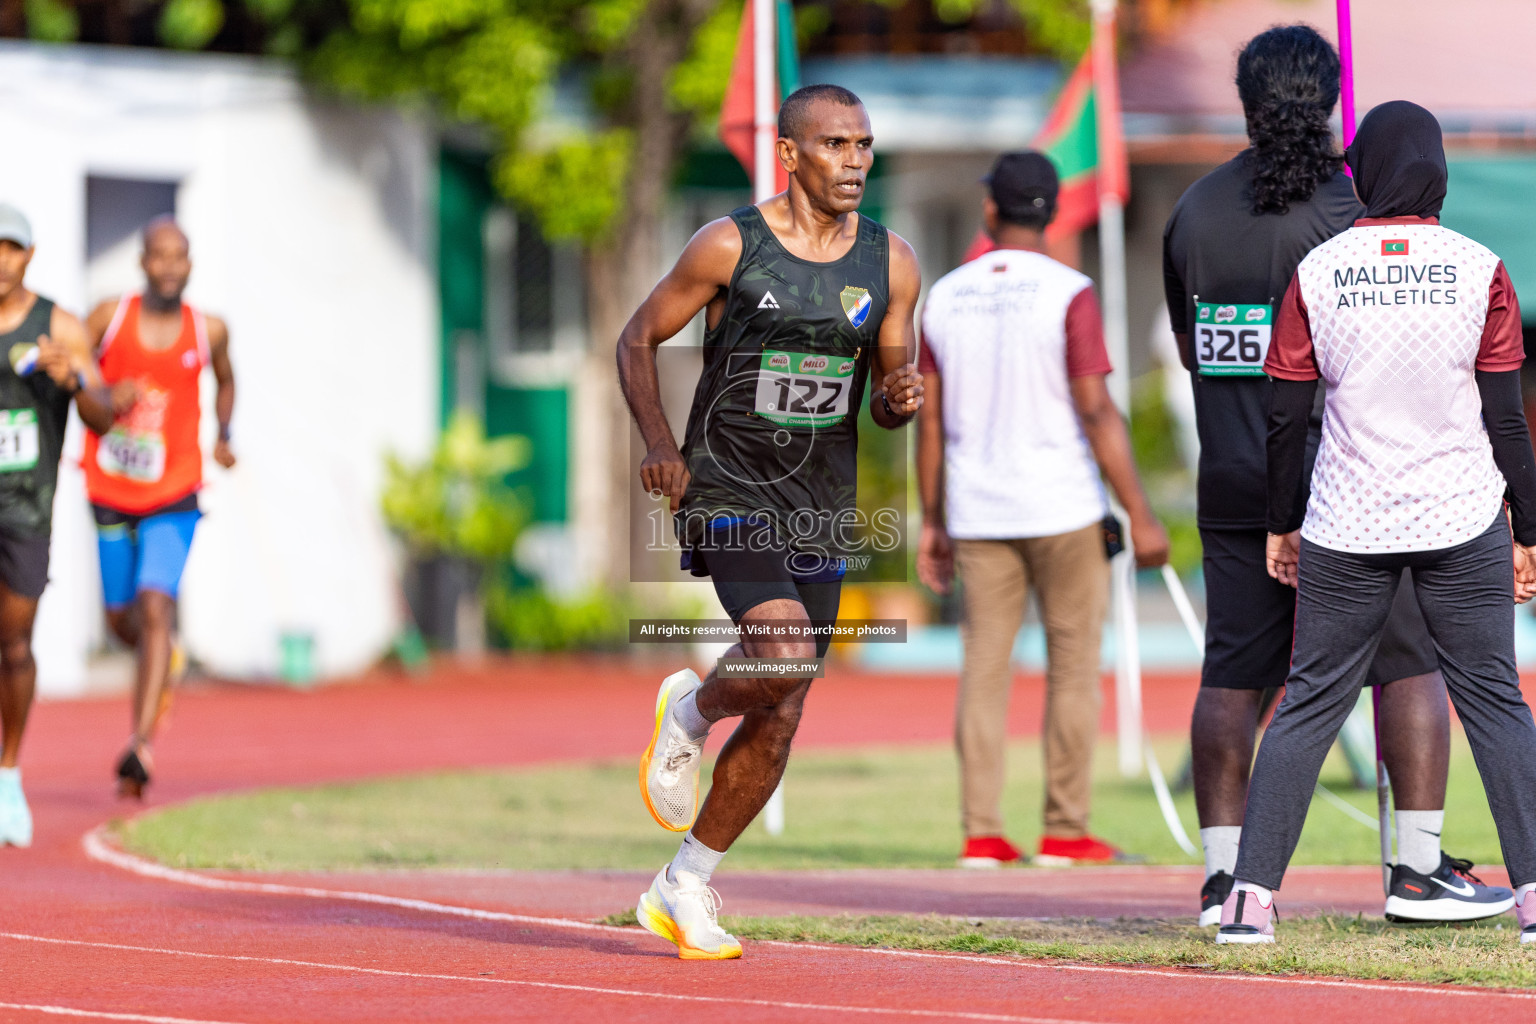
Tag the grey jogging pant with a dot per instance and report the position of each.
(1466, 594)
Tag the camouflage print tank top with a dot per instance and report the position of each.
(773, 429)
(33, 414)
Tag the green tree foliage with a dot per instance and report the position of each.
(495, 64)
(190, 24)
(52, 21)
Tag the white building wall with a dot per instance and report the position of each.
(312, 235)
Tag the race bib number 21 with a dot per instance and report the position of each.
(1231, 340)
(18, 440)
(799, 390)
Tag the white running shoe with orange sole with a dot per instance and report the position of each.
(684, 913)
(669, 768)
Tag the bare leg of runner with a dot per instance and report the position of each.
(18, 671)
(752, 761)
(156, 616)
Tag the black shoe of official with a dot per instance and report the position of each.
(1451, 893)
(1212, 895)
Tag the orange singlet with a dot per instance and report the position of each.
(151, 457)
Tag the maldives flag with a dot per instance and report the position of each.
(1083, 138)
(736, 111)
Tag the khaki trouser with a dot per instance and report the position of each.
(1070, 576)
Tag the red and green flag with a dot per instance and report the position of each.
(736, 112)
(1085, 143)
(1083, 138)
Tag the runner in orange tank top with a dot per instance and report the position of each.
(143, 475)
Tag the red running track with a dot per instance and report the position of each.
(82, 938)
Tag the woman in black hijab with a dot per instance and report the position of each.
(1416, 332)
(1398, 162)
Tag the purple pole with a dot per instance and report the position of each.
(1347, 72)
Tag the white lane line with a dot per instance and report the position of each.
(71, 1011)
(97, 848)
(558, 986)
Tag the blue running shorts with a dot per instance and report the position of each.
(144, 554)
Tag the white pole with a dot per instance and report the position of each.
(1116, 340)
(765, 116)
(765, 102)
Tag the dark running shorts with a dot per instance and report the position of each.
(24, 564)
(1251, 620)
(751, 566)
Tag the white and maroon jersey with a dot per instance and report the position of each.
(1395, 316)
(1006, 333)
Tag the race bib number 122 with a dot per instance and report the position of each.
(1231, 340)
(799, 390)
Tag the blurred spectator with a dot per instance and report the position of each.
(1019, 424)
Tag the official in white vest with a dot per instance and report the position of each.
(1017, 427)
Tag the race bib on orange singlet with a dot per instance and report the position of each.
(133, 455)
(18, 440)
(799, 390)
(1231, 340)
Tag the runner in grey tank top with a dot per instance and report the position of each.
(47, 362)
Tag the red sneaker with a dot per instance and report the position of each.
(1056, 852)
(988, 852)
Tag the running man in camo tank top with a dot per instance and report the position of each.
(807, 303)
(48, 362)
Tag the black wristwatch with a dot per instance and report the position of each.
(885, 400)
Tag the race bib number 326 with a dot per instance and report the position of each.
(799, 390)
(1232, 340)
(18, 440)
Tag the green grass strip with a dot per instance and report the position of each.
(1484, 953)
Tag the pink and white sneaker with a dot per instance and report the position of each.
(1247, 921)
(1525, 914)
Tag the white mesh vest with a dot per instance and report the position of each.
(1397, 314)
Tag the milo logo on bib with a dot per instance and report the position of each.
(1231, 339)
(800, 390)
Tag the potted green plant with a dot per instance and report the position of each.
(457, 517)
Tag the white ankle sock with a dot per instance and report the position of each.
(1266, 896)
(694, 858)
(1418, 839)
(1220, 843)
(1523, 892)
(686, 713)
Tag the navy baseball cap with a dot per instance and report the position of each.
(1024, 185)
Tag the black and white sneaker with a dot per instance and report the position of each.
(1451, 893)
(1212, 895)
